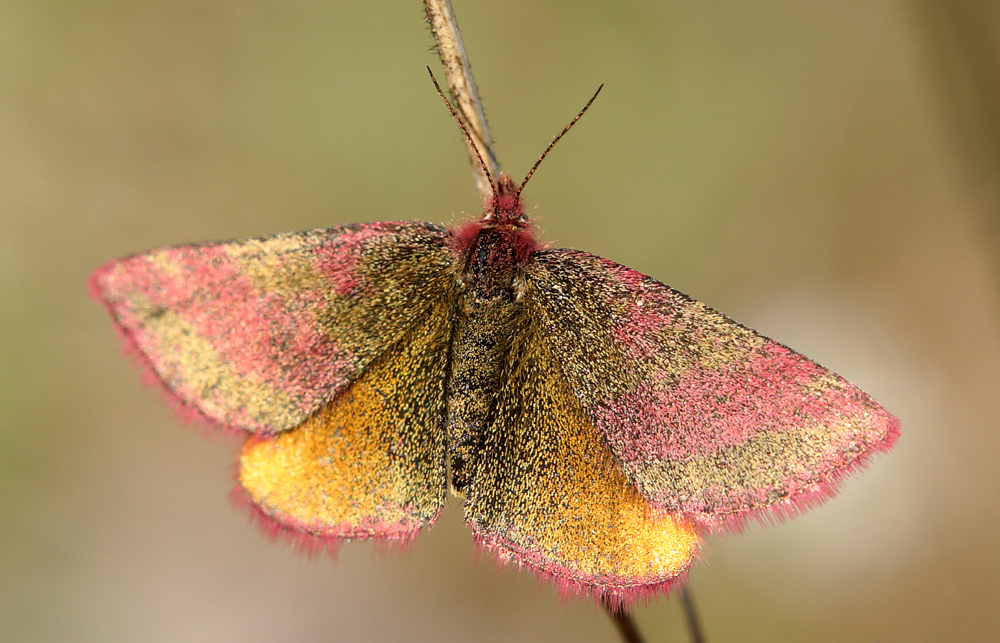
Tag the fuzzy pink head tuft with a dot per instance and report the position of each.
(504, 209)
(505, 206)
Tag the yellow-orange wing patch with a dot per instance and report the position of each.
(547, 493)
(370, 464)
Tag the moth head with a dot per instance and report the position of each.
(505, 207)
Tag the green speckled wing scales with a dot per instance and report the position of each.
(706, 417)
(257, 334)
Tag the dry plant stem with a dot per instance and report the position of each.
(691, 616)
(462, 88)
(627, 629)
(468, 137)
(624, 623)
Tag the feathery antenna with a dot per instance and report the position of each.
(555, 140)
(465, 131)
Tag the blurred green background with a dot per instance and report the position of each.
(826, 172)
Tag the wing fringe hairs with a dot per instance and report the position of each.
(598, 422)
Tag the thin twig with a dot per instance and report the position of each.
(462, 88)
(629, 633)
(691, 616)
(624, 623)
(468, 137)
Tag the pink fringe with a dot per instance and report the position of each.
(386, 538)
(463, 236)
(618, 594)
(185, 412)
(801, 501)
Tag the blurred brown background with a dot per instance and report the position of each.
(826, 172)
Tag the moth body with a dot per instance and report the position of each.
(485, 320)
(596, 421)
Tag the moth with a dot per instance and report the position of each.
(597, 422)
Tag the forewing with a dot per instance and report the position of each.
(705, 416)
(370, 463)
(546, 492)
(258, 334)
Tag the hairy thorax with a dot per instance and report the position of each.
(485, 325)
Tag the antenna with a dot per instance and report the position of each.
(465, 131)
(554, 141)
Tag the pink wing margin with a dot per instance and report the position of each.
(256, 334)
(707, 418)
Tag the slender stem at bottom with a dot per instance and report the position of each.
(629, 632)
(624, 623)
(691, 616)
